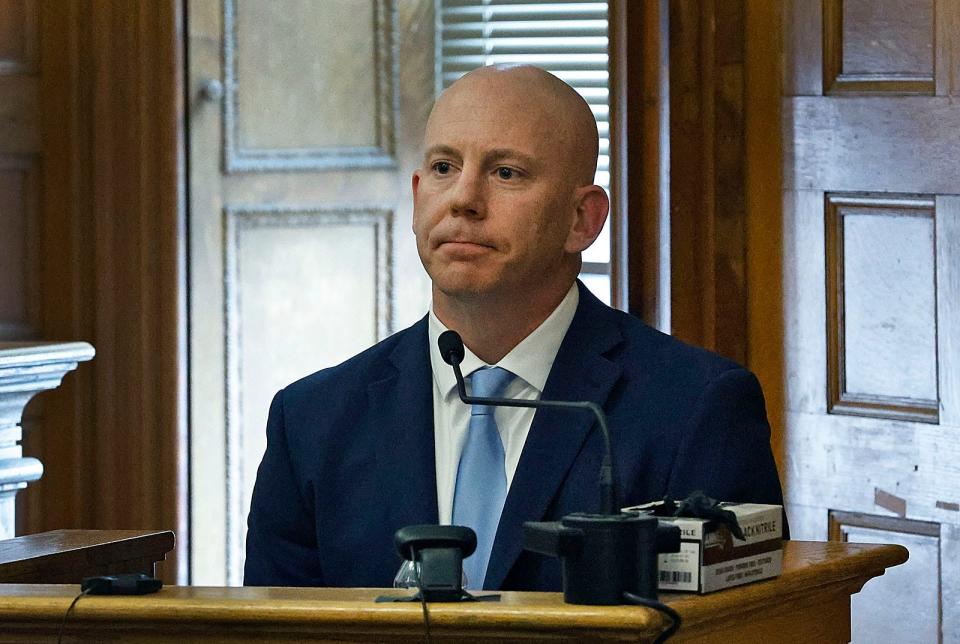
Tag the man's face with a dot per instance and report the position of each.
(494, 200)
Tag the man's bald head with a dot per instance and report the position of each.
(504, 201)
(548, 104)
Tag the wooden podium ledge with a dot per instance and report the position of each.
(67, 556)
(809, 602)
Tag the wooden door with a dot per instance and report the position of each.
(871, 251)
(305, 124)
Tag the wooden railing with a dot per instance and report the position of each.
(809, 602)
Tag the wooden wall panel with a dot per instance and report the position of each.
(708, 303)
(836, 145)
(140, 313)
(868, 179)
(21, 178)
(110, 123)
(278, 63)
(948, 308)
(640, 185)
(804, 324)
(19, 114)
(271, 262)
(19, 36)
(19, 241)
(887, 38)
(947, 21)
(20, 167)
(878, 46)
(691, 151)
(806, 19)
(13, 223)
(879, 613)
(729, 315)
(57, 424)
(283, 60)
(765, 243)
(881, 306)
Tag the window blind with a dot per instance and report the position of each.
(566, 38)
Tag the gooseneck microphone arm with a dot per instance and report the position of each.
(452, 351)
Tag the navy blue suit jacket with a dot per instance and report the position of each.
(350, 451)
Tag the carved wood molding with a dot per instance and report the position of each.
(838, 520)
(386, 76)
(839, 400)
(26, 369)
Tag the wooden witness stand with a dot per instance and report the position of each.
(810, 602)
(67, 556)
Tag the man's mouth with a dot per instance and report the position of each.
(469, 242)
(464, 248)
(464, 241)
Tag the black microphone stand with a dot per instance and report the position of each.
(608, 492)
(608, 558)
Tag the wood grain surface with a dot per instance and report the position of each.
(811, 598)
(67, 556)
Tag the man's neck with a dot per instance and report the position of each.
(491, 326)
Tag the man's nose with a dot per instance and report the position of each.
(468, 195)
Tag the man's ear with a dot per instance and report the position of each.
(415, 183)
(592, 207)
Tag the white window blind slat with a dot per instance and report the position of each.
(524, 10)
(526, 28)
(505, 44)
(547, 60)
(578, 79)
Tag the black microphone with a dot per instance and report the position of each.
(451, 349)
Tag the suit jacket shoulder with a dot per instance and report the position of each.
(685, 418)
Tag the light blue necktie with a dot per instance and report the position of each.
(482, 476)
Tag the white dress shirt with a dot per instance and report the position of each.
(530, 361)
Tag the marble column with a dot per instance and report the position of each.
(26, 369)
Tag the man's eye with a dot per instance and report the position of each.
(442, 167)
(505, 173)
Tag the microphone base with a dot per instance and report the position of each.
(464, 597)
(602, 555)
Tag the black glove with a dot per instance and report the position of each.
(699, 506)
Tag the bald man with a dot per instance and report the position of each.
(504, 205)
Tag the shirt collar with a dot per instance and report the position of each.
(530, 360)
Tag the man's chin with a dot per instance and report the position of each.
(465, 287)
(463, 291)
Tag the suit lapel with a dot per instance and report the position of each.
(580, 372)
(401, 406)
